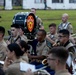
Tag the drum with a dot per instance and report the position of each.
(26, 20)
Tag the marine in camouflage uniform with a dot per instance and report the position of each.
(52, 37)
(38, 20)
(64, 41)
(17, 34)
(65, 24)
(41, 47)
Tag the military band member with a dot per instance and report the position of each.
(14, 34)
(56, 59)
(38, 20)
(41, 47)
(65, 24)
(12, 61)
(52, 37)
(17, 34)
(22, 35)
(24, 47)
(3, 44)
(64, 41)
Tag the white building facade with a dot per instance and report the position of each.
(53, 4)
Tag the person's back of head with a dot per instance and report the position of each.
(23, 45)
(2, 30)
(61, 53)
(16, 48)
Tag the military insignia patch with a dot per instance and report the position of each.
(30, 23)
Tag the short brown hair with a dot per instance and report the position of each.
(60, 52)
(52, 25)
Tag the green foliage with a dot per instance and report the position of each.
(47, 16)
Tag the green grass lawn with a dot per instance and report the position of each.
(47, 16)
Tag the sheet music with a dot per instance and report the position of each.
(26, 66)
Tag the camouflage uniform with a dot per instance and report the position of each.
(71, 48)
(52, 37)
(13, 40)
(3, 47)
(25, 57)
(62, 72)
(24, 38)
(39, 22)
(67, 26)
(42, 48)
(14, 68)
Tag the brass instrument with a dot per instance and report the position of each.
(56, 44)
(41, 70)
(50, 45)
(44, 62)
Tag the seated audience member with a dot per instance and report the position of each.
(56, 59)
